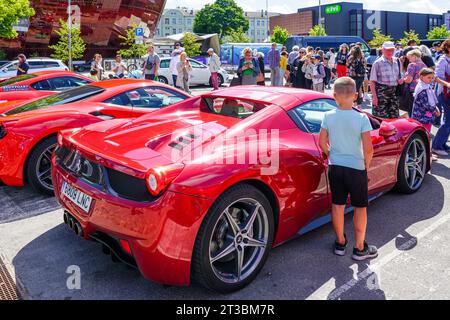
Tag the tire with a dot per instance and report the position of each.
(407, 181)
(41, 156)
(256, 244)
(132, 67)
(219, 79)
(163, 80)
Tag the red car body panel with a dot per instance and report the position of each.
(162, 232)
(22, 90)
(27, 129)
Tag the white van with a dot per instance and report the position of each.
(9, 70)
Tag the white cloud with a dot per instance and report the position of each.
(290, 6)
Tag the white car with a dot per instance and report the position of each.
(9, 70)
(200, 73)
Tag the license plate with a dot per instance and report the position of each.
(82, 200)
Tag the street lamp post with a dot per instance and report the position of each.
(268, 19)
(70, 34)
(320, 13)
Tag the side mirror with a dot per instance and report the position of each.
(387, 130)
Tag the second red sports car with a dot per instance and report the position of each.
(204, 189)
(28, 131)
(39, 84)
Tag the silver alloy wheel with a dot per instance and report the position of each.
(238, 241)
(415, 163)
(44, 167)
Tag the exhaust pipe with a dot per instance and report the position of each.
(78, 229)
(66, 217)
(71, 223)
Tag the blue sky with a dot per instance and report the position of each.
(289, 6)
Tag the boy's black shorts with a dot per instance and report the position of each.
(345, 181)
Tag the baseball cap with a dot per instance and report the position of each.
(388, 45)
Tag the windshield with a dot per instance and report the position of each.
(13, 80)
(72, 95)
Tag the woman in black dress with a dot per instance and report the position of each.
(261, 79)
(299, 79)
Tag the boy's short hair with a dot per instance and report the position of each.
(345, 86)
(425, 72)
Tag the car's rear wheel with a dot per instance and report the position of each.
(413, 165)
(163, 80)
(39, 166)
(234, 240)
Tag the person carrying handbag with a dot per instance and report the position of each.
(151, 65)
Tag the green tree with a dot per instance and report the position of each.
(410, 35)
(318, 31)
(279, 35)
(379, 38)
(221, 17)
(237, 36)
(3, 54)
(438, 33)
(10, 13)
(191, 45)
(131, 49)
(61, 48)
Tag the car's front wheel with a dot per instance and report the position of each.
(234, 240)
(413, 165)
(39, 166)
(163, 80)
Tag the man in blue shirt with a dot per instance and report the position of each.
(23, 66)
(274, 57)
(345, 139)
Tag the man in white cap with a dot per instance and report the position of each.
(214, 67)
(384, 79)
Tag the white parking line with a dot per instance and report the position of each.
(324, 291)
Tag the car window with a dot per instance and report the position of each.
(232, 107)
(12, 67)
(309, 115)
(52, 64)
(195, 64)
(68, 96)
(148, 97)
(41, 85)
(64, 83)
(36, 64)
(164, 63)
(17, 79)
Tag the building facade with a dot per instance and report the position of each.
(181, 19)
(346, 18)
(101, 22)
(299, 23)
(173, 21)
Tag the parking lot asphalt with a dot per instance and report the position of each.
(412, 233)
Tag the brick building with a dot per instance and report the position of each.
(296, 23)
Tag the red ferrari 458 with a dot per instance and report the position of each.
(28, 131)
(204, 189)
(37, 85)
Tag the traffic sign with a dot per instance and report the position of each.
(139, 32)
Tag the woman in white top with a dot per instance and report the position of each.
(184, 69)
(120, 67)
(97, 65)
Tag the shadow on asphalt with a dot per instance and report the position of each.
(22, 203)
(294, 270)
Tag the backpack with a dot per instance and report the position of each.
(360, 70)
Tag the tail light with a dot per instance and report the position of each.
(126, 246)
(159, 179)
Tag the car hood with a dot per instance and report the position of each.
(151, 141)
